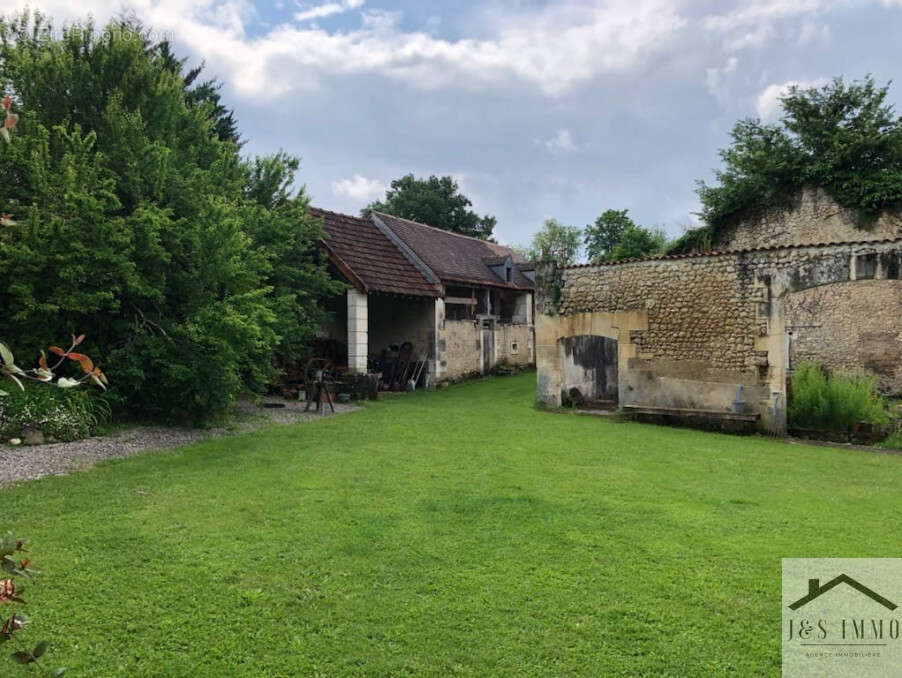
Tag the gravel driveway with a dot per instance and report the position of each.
(29, 462)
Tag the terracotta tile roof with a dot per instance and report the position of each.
(456, 258)
(368, 258)
(750, 250)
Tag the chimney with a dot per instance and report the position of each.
(814, 585)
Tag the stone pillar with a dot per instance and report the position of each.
(548, 361)
(773, 416)
(436, 368)
(358, 345)
(775, 344)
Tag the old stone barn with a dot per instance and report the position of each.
(715, 335)
(462, 305)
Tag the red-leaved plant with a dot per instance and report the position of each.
(14, 564)
(9, 120)
(45, 372)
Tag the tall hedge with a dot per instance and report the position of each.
(187, 266)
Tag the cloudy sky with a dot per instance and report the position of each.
(539, 109)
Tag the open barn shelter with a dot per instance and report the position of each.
(456, 305)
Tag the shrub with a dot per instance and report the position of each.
(834, 401)
(63, 414)
(44, 400)
(189, 266)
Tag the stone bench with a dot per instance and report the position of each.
(691, 412)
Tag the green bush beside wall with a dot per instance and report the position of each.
(834, 401)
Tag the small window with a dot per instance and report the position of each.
(507, 273)
(515, 348)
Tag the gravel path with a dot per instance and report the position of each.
(29, 462)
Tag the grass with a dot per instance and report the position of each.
(458, 533)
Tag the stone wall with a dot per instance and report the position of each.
(692, 330)
(460, 347)
(514, 344)
(697, 308)
(813, 217)
(849, 325)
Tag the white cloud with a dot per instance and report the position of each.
(754, 13)
(560, 143)
(328, 9)
(717, 79)
(553, 48)
(754, 24)
(359, 189)
(768, 104)
(813, 32)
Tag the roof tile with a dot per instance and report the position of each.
(455, 257)
(371, 256)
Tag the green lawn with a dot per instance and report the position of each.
(452, 533)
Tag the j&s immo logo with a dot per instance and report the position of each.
(840, 617)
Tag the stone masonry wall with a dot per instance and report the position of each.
(695, 331)
(706, 307)
(459, 348)
(813, 217)
(507, 336)
(848, 326)
(698, 308)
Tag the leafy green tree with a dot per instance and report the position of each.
(637, 241)
(850, 141)
(555, 242)
(205, 93)
(436, 201)
(603, 236)
(614, 236)
(842, 137)
(140, 226)
(276, 219)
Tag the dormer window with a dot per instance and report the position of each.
(502, 266)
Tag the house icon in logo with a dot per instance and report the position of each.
(815, 590)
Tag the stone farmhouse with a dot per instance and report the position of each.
(464, 304)
(715, 335)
